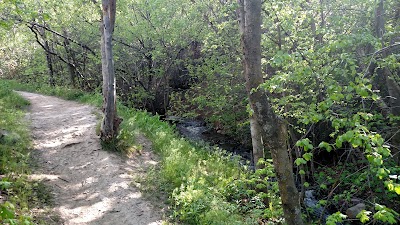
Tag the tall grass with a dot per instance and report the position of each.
(15, 190)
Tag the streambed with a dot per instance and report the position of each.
(197, 130)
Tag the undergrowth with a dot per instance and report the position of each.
(204, 185)
(15, 189)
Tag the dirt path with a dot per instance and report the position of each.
(90, 186)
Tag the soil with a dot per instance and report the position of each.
(88, 185)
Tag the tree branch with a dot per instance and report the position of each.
(33, 24)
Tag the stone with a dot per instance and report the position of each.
(352, 212)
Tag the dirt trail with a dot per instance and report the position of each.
(90, 186)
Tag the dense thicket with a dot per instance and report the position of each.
(331, 69)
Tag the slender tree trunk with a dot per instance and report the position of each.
(322, 24)
(274, 131)
(71, 60)
(111, 121)
(255, 129)
(256, 141)
(49, 62)
(49, 59)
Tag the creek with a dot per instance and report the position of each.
(197, 130)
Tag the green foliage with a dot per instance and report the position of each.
(206, 187)
(363, 216)
(335, 218)
(195, 176)
(321, 85)
(14, 145)
(385, 214)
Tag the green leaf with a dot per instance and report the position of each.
(5, 185)
(307, 156)
(325, 145)
(5, 25)
(46, 16)
(397, 188)
(349, 97)
(260, 186)
(305, 143)
(356, 142)
(363, 92)
(382, 172)
(339, 142)
(385, 214)
(7, 211)
(363, 216)
(322, 202)
(377, 160)
(335, 218)
(348, 135)
(300, 161)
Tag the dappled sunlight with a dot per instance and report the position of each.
(41, 177)
(50, 144)
(90, 186)
(63, 136)
(115, 186)
(47, 106)
(89, 180)
(81, 119)
(92, 212)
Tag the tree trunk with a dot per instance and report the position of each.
(71, 60)
(255, 129)
(274, 132)
(256, 141)
(49, 62)
(110, 121)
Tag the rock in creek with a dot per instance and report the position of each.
(355, 210)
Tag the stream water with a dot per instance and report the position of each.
(197, 130)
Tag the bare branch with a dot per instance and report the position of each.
(63, 36)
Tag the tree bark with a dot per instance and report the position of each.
(49, 59)
(49, 62)
(110, 121)
(256, 141)
(255, 129)
(274, 131)
(71, 60)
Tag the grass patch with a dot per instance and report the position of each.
(15, 189)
